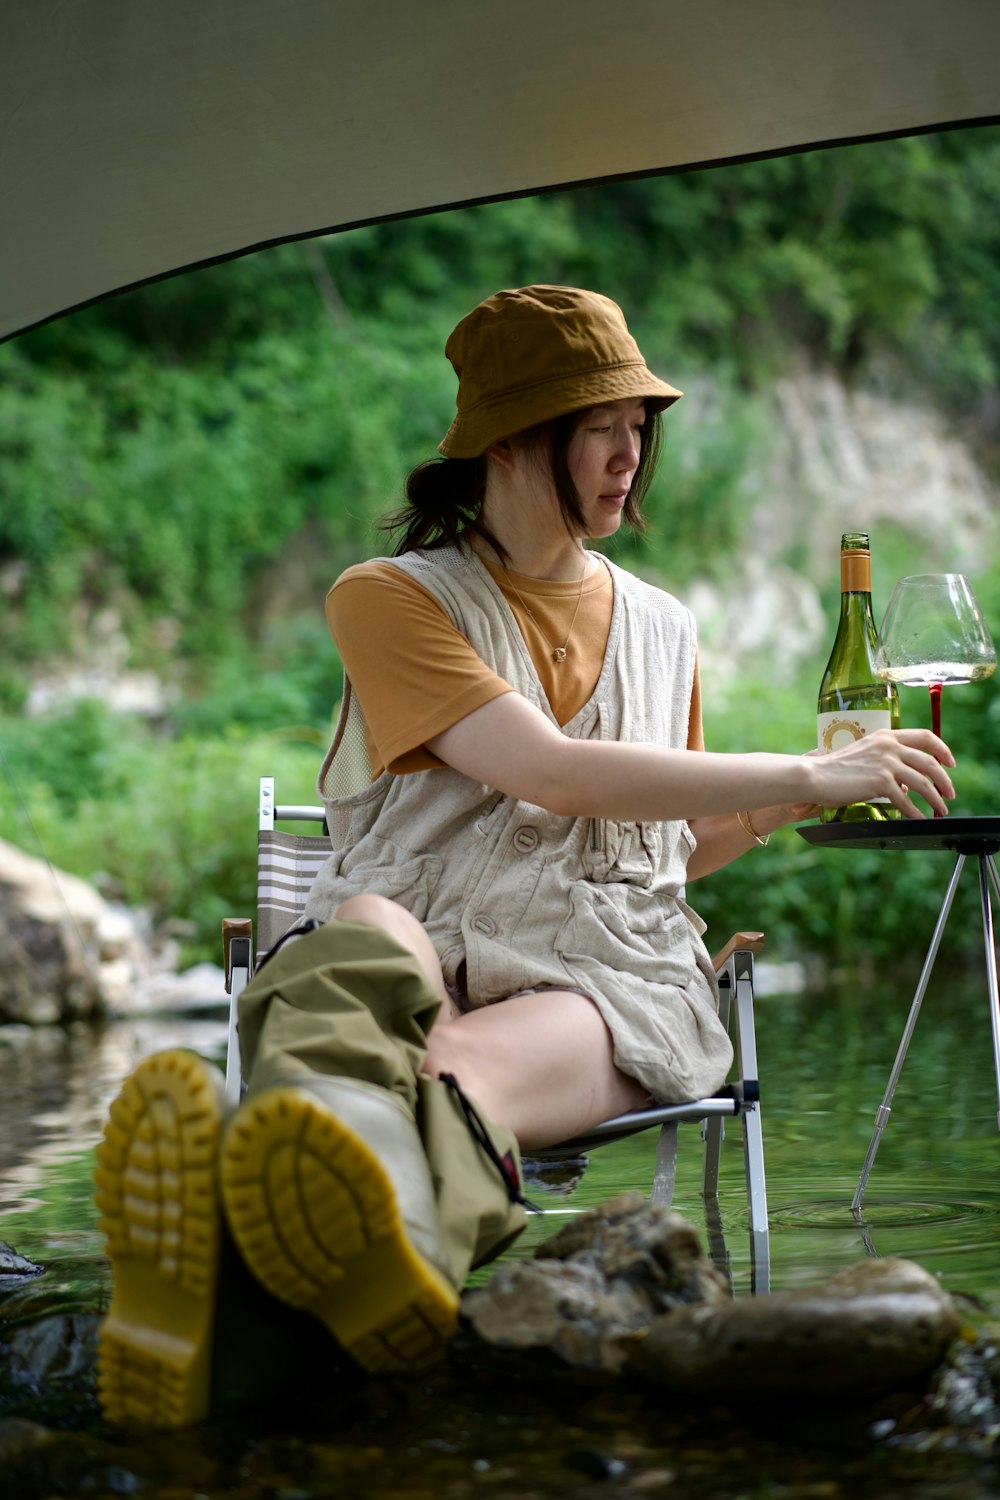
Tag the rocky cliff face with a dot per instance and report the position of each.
(840, 460)
(853, 460)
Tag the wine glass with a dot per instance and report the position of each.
(933, 633)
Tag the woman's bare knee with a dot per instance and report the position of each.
(380, 911)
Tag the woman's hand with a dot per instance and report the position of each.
(890, 764)
(900, 748)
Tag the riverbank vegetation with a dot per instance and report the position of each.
(186, 467)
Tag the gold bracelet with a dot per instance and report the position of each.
(743, 818)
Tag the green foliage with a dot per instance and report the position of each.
(848, 249)
(837, 905)
(168, 825)
(198, 459)
(159, 450)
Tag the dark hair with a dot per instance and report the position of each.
(444, 496)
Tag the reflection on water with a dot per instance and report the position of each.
(56, 1086)
(934, 1195)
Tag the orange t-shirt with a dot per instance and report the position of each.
(415, 674)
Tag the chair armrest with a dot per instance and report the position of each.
(751, 942)
(233, 928)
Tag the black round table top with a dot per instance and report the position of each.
(957, 835)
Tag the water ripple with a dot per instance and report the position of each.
(935, 1204)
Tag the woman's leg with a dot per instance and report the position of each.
(540, 1064)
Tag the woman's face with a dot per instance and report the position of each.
(603, 456)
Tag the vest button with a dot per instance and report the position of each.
(525, 839)
(484, 924)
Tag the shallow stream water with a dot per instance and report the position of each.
(934, 1197)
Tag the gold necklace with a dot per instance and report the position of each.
(558, 653)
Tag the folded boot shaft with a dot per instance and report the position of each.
(346, 1001)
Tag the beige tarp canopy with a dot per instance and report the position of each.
(140, 137)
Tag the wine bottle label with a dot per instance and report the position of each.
(834, 731)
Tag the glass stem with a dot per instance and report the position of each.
(935, 691)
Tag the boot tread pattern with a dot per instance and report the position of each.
(415, 1338)
(304, 1200)
(316, 1219)
(157, 1196)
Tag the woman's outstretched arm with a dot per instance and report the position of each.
(510, 745)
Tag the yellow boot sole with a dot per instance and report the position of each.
(157, 1193)
(316, 1219)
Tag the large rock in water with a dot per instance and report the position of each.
(65, 954)
(591, 1289)
(878, 1327)
(628, 1286)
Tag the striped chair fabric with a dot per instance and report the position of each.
(287, 865)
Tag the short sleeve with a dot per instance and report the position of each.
(415, 674)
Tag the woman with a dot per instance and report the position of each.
(527, 665)
(500, 930)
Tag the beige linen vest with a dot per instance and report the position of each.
(525, 898)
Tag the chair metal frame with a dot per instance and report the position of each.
(286, 866)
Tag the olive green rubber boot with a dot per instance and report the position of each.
(157, 1194)
(475, 1167)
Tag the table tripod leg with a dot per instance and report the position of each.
(885, 1108)
(988, 867)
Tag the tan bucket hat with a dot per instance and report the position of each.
(525, 356)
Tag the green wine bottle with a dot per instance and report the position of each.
(853, 699)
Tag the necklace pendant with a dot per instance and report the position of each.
(559, 655)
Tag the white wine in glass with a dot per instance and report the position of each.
(933, 634)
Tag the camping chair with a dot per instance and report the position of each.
(287, 865)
